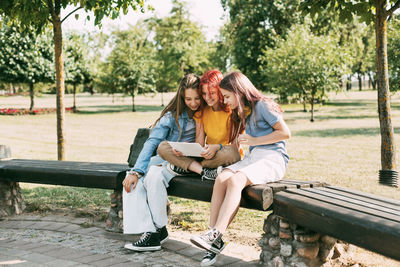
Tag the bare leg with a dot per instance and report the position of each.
(196, 167)
(218, 195)
(231, 202)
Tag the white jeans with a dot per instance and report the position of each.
(145, 207)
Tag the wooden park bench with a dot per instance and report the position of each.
(306, 215)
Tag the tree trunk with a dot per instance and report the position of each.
(74, 92)
(60, 87)
(359, 82)
(32, 95)
(372, 80)
(388, 152)
(312, 106)
(133, 102)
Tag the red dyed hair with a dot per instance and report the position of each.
(211, 79)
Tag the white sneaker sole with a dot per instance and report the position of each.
(164, 240)
(197, 241)
(131, 247)
(208, 263)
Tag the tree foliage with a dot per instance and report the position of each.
(130, 67)
(379, 12)
(181, 45)
(25, 57)
(394, 54)
(304, 66)
(254, 26)
(38, 14)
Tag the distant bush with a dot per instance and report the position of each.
(25, 111)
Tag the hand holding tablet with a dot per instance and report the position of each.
(187, 149)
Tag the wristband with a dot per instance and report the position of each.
(138, 175)
(220, 146)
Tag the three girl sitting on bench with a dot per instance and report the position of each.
(251, 119)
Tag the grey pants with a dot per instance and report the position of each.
(224, 157)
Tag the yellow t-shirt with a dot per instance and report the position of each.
(215, 125)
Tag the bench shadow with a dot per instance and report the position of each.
(340, 132)
(84, 110)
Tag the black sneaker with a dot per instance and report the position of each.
(163, 234)
(175, 170)
(211, 241)
(147, 242)
(210, 174)
(208, 259)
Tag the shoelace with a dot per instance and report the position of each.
(209, 236)
(143, 238)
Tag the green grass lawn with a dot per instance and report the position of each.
(342, 147)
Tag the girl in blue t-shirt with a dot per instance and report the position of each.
(265, 132)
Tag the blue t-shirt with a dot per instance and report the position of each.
(260, 123)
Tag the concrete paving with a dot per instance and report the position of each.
(61, 241)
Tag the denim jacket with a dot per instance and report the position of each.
(165, 129)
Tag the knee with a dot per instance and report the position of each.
(162, 149)
(237, 181)
(153, 177)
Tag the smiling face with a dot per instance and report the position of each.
(229, 98)
(192, 99)
(210, 95)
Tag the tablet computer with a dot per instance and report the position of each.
(188, 149)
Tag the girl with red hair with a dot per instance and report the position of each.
(213, 131)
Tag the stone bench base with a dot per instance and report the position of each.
(288, 244)
(11, 201)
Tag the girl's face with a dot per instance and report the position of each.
(210, 95)
(229, 99)
(192, 98)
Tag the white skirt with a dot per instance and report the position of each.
(261, 166)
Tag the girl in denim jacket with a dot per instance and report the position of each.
(148, 214)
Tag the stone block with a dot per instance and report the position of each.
(274, 243)
(328, 241)
(307, 250)
(278, 262)
(284, 224)
(307, 238)
(286, 250)
(285, 234)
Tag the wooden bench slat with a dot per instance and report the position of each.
(69, 173)
(358, 193)
(345, 204)
(364, 230)
(353, 200)
(395, 208)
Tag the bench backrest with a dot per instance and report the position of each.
(140, 138)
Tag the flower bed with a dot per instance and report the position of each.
(25, 111)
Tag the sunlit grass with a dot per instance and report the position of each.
(342, 147)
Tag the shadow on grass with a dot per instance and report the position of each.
(117, 108)
(350, 103)
(340, 132)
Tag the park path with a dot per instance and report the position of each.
(56, 240)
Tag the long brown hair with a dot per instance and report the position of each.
(246, 95)
(177, 105)
(211, 79)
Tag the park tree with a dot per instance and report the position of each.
(253, 26)
(76, 63)
(181, 47)
(394, 54)
(38, 14)
(304, 66)
(130, 67)
(25, 57)
(379, 12)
